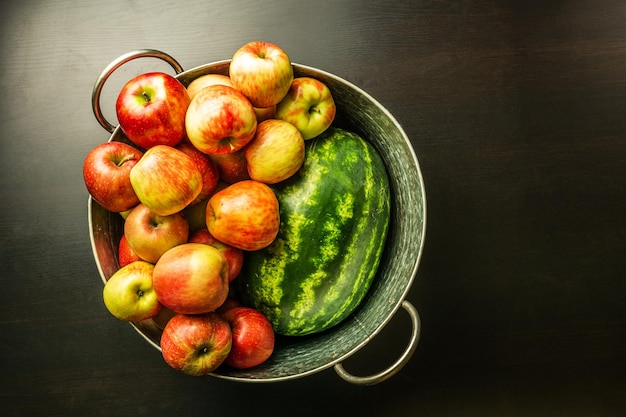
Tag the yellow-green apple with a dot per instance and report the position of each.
(129, 294)
(207, 80)
(125, 213)
(196, 215)
(264, 113)
(106, 172)
(244, 215)
(166, 180)
(196, 345)
(262, 71)
(208, 170)
(309, 106)
(232, 166)
(151, 235)
(275, 153)
(151, 109)
(191, 278)
(220, 120)
(126, 254)
(234, 256)
(252, 337)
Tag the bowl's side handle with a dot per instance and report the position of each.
(121, 60)
(400, 362)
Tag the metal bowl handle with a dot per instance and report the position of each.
(97, 88)
(399, 364)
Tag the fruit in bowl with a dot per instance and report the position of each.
(309, 226)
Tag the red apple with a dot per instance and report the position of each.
(106, 172)
(191, 278)
(309, 106)
(166, 180)
(196, 344)
(230, 302)
(220, 120)
(150, 235)
(252, 337)
(234, 256)
(208, 170)
(125, 253)
(244, 215)
(151, 109)
(207, 80)
(232, 166)
(275, 153)
(262, 71)
(129, 294)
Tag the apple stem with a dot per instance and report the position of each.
(126, 158)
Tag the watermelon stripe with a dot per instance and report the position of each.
(334, 219)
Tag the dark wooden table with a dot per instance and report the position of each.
(517, 112)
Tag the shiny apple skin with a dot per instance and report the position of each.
(196, 345)
(191, 278)
(244, 215)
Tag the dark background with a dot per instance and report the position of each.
(517, 112)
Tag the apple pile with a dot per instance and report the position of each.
(192, 183)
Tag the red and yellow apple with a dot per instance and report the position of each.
(196, 345)
(151, 235)
(275, 153)
(220, 120)
(262, 71)
(207, 80)
(166, 180)
(191, 278)
(151, 109)
(234, 256)
(244, 215)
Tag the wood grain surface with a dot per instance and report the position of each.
(517, 113)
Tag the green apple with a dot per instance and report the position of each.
(129, 294)
(275, 153)
(166, 180)
(309, 106)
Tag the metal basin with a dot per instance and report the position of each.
(296, 357)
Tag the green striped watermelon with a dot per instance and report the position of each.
(334, 220)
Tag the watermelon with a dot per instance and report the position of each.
(334, 220)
